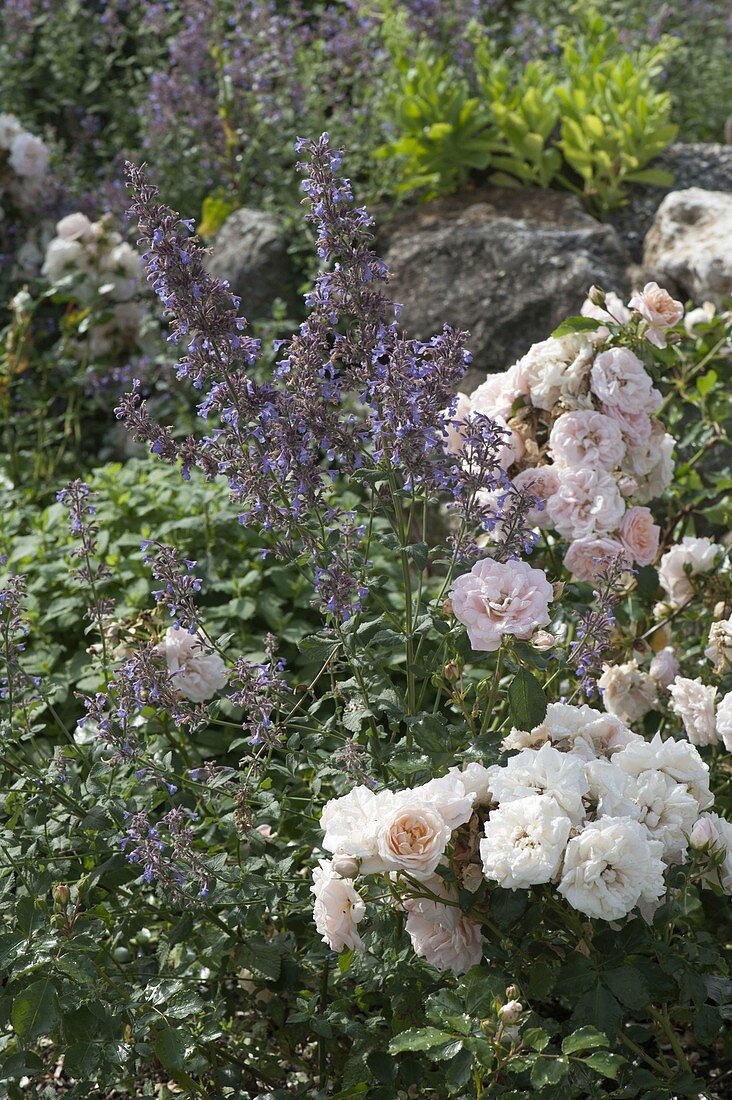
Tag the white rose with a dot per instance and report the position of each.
(664, 666)
(627, 691)
(619, 378)
(556, 369)
(724, 721)
(349, 825)
(524, 842)
(475, 778)
(667, 810)
(694, 703)
(449, 796)
(542, 771)
(28, 156)
(610, 867)
(584, 731)
(441, 934)
(337, 908)
(10, 127)
(689, 558)
(74, 227)
(62, 257)
(678, 759)
(195, 671)
(651, 464)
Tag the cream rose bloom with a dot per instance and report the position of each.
(195, 671)
(619, 379)
(556, 369)
(497, 598)
(627, 691)
(586, 438)
(659, 310)
(544, 771)
(719, 647)
(542, 482)
(524, 842)
(349, 825)
(62, 256)
(639, 535)
(664, 666)
(678, 759)
(694, 703)
(476, 780)
(587, 557)
(411, 836)
(587, 502)
(689, 558)
(610, 867)
(724, 721)
(450, 796)
(337, 908)
(440, 934)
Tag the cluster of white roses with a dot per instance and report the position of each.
(105, 273)
(583, 437)
(23, 163)
(585, 804)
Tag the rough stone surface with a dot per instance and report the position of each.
(506, 265)
(250, 250)
(692, 165)
(690, 244)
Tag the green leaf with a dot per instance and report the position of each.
(549, 1071)
(535, 1037)
(628, 985)
(576, 324)
(35, 1010)
(656, 177)
(418, 1038)
(526, 700)
(584, 1039)
(602, 1061)
(707, 382)
(170, 1048)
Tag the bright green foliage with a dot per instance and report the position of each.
(524, 113)
(614, 119)
(442, 129)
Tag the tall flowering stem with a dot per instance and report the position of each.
(596, 625)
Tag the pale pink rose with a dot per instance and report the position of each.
(513, 449)
(614, 312)
(457, 425)
(659, 310)
(639, 535)
(724, 720)
(694, 703)
(499, 598)
(587, 502)
(664, 666)
(651, 464)
(586, 558)
(441, 934)
(411, 835)
(586, 438)
(496, 396)
(542, 482)
(195, 671)
(686, 559)
(337, 909)
(634, 426)
(619, 378)
(703, 315)
(556, 369)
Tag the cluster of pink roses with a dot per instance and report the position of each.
(580, 410)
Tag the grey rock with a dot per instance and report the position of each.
(692, 164)
(690, 244)
(506, 265)
(250, 250)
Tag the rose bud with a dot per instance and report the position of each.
(542, 640)
(61, 895)
(509, 1013)
(704, 834)
(345, 866)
